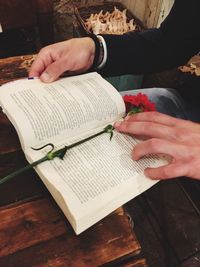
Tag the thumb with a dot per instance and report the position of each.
(52, 72)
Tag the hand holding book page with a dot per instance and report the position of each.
(95, 177)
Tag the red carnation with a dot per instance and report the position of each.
(138, 103)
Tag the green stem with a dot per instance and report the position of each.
(60, 153)
(27, 167)
(86, 139)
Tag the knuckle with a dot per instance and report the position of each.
(44, 50)
(125, 126)
(135, 154)
(153, 143)
(164, 173)
(181, 134)
(153, 115)
(147, 126)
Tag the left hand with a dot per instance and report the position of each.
(75, 56)
(177, 138)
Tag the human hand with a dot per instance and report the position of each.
(75, 55)
(179, 139)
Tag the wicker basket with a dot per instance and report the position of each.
(82, 13)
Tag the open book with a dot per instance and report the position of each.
(95, 177)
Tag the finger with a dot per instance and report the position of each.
(157, 146)
(54, 70)
(154, 116)
(168, 171)
(155, 130)
(149, 129)
(37, 68)
(40, 63)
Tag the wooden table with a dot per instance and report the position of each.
(33, 230)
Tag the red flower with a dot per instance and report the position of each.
(138, 103)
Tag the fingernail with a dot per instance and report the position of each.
(45, 77)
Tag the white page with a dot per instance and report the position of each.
(42, 112)
(96, 177)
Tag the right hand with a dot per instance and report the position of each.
(177, 138)
(75, 55)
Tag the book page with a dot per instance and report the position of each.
(96, 177)
(42, 112)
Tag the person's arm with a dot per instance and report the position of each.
(177, 39)
(153, 50)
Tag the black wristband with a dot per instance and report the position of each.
(97, 50)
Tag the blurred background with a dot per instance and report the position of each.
(27, 26)
(22, 22)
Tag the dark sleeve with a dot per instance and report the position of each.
(171, 45)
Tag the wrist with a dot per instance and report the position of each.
(99, 51)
